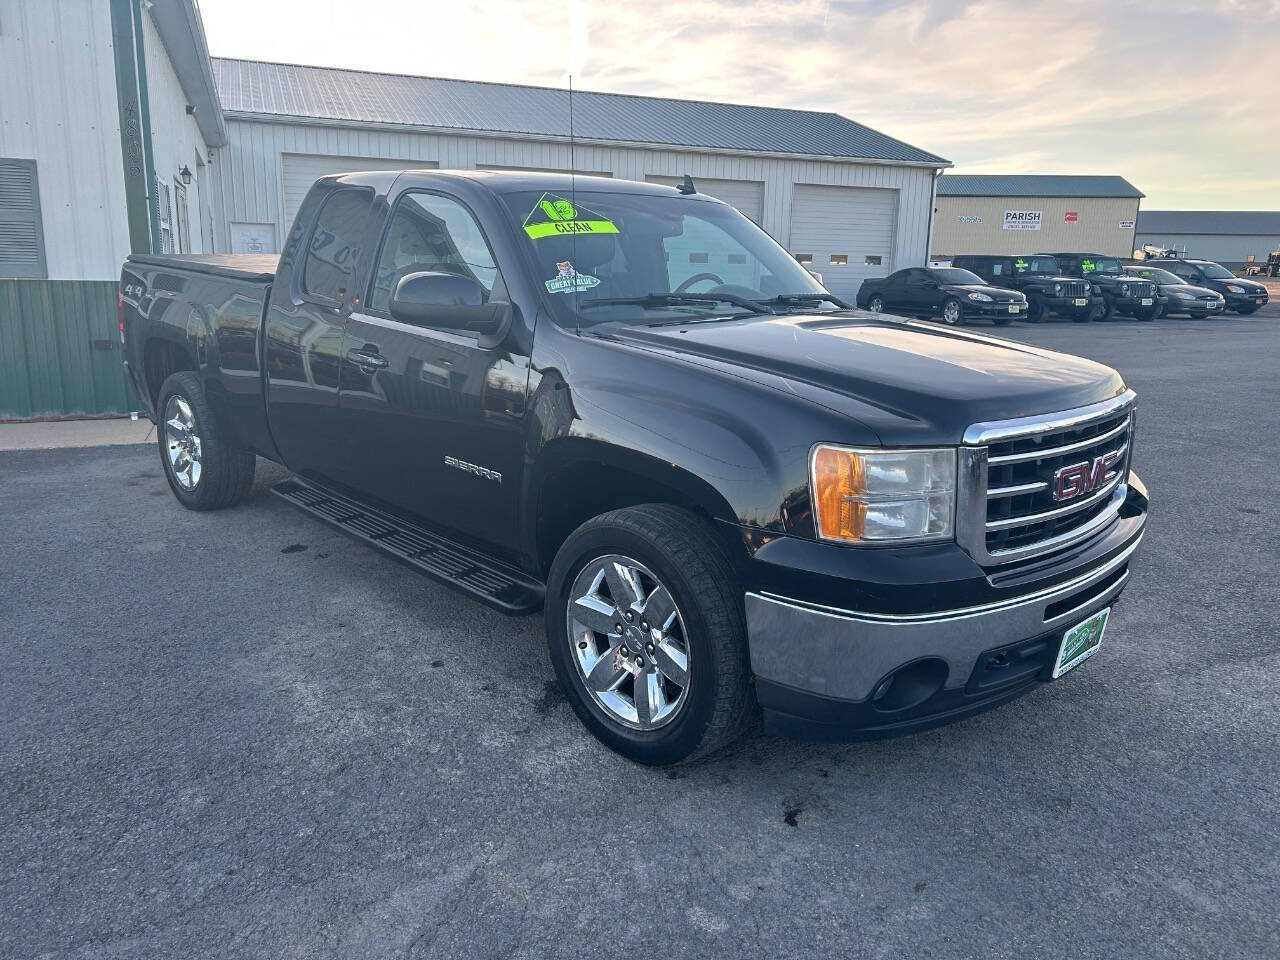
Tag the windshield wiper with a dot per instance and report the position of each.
(677, 300)
(788, 299)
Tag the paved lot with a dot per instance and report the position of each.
(240, 734)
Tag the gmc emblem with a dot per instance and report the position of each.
(1081, 478)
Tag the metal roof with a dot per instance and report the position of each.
(1034, 185)
(1210, 222)
(182, 33)
(322, 94)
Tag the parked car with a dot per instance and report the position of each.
(1176, 296)
(951, 294)
(1242, 296)
(1040, 279)
(1120, 293)
(725, 489)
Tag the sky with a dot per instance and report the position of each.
(1182, 97)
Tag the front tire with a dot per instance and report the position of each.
(1245, 311)
(647, 635)
(951, 314)
(204, 471)
(1108, 311)
(1035, 310)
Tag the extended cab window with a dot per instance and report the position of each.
(335, 244)
(430, 232)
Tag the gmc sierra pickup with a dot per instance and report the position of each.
(625, 404)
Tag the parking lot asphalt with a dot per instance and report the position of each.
(240, 734)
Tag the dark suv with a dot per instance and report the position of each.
(1242, 296)
(1040, 279)
(1119, 292)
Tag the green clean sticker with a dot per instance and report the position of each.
(555, 216)
(1087, 266)
(569, 280)
(1020, 264)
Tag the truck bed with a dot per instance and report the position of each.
(259, 267)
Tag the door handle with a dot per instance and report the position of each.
(367, 361)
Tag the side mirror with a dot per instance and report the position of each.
(447, 300)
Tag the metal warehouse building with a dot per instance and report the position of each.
(1230, 237)
(1034, 214)
(848, 201)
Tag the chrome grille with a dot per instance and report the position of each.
(1008, 470)
(1075, 288)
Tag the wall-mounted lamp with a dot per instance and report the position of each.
(190, 109)
(185, 174)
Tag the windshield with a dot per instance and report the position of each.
(957, 276)
(1215, 271)
(1107, 265)
(1037, 265)
(597, 248)
(1156, 275)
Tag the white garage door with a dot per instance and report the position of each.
(844, 233)
(747, 196)
(302, 170)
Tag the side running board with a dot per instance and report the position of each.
(501, 587)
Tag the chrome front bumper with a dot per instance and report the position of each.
(844, 654)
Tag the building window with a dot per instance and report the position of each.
(698, 258)
(872, 260)
(22, 251)
(803, 257)
(165, 202)
(839, 259)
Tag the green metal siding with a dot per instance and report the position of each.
(52, 361)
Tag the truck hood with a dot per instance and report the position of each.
(909, 381)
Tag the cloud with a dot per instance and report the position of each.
(1175, 95)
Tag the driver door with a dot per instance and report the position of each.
(434, 414)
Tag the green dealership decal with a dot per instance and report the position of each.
(555, 216)
(1087, 266)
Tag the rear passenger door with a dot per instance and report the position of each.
(309, 305)
(431, 414)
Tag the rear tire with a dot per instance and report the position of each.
(204, 471)
(639, 551)
(876, 304)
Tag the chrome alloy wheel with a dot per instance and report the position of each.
(182, 443)
(951, 312)
(876, 305)
(628, 642)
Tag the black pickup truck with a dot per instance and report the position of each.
(628, 406)
(1040, 279)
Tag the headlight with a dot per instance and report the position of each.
(1124, 289)
(980, 297)
(1186, 296)
(1057, 289)
(1235, 289)
(874, 496)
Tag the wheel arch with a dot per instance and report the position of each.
(578, 479)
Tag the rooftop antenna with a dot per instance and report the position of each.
(686, 187)
(573, 193)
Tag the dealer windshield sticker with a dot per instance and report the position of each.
(1020, 264)
(553, 216)
(569, 280)
(1087, 266)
